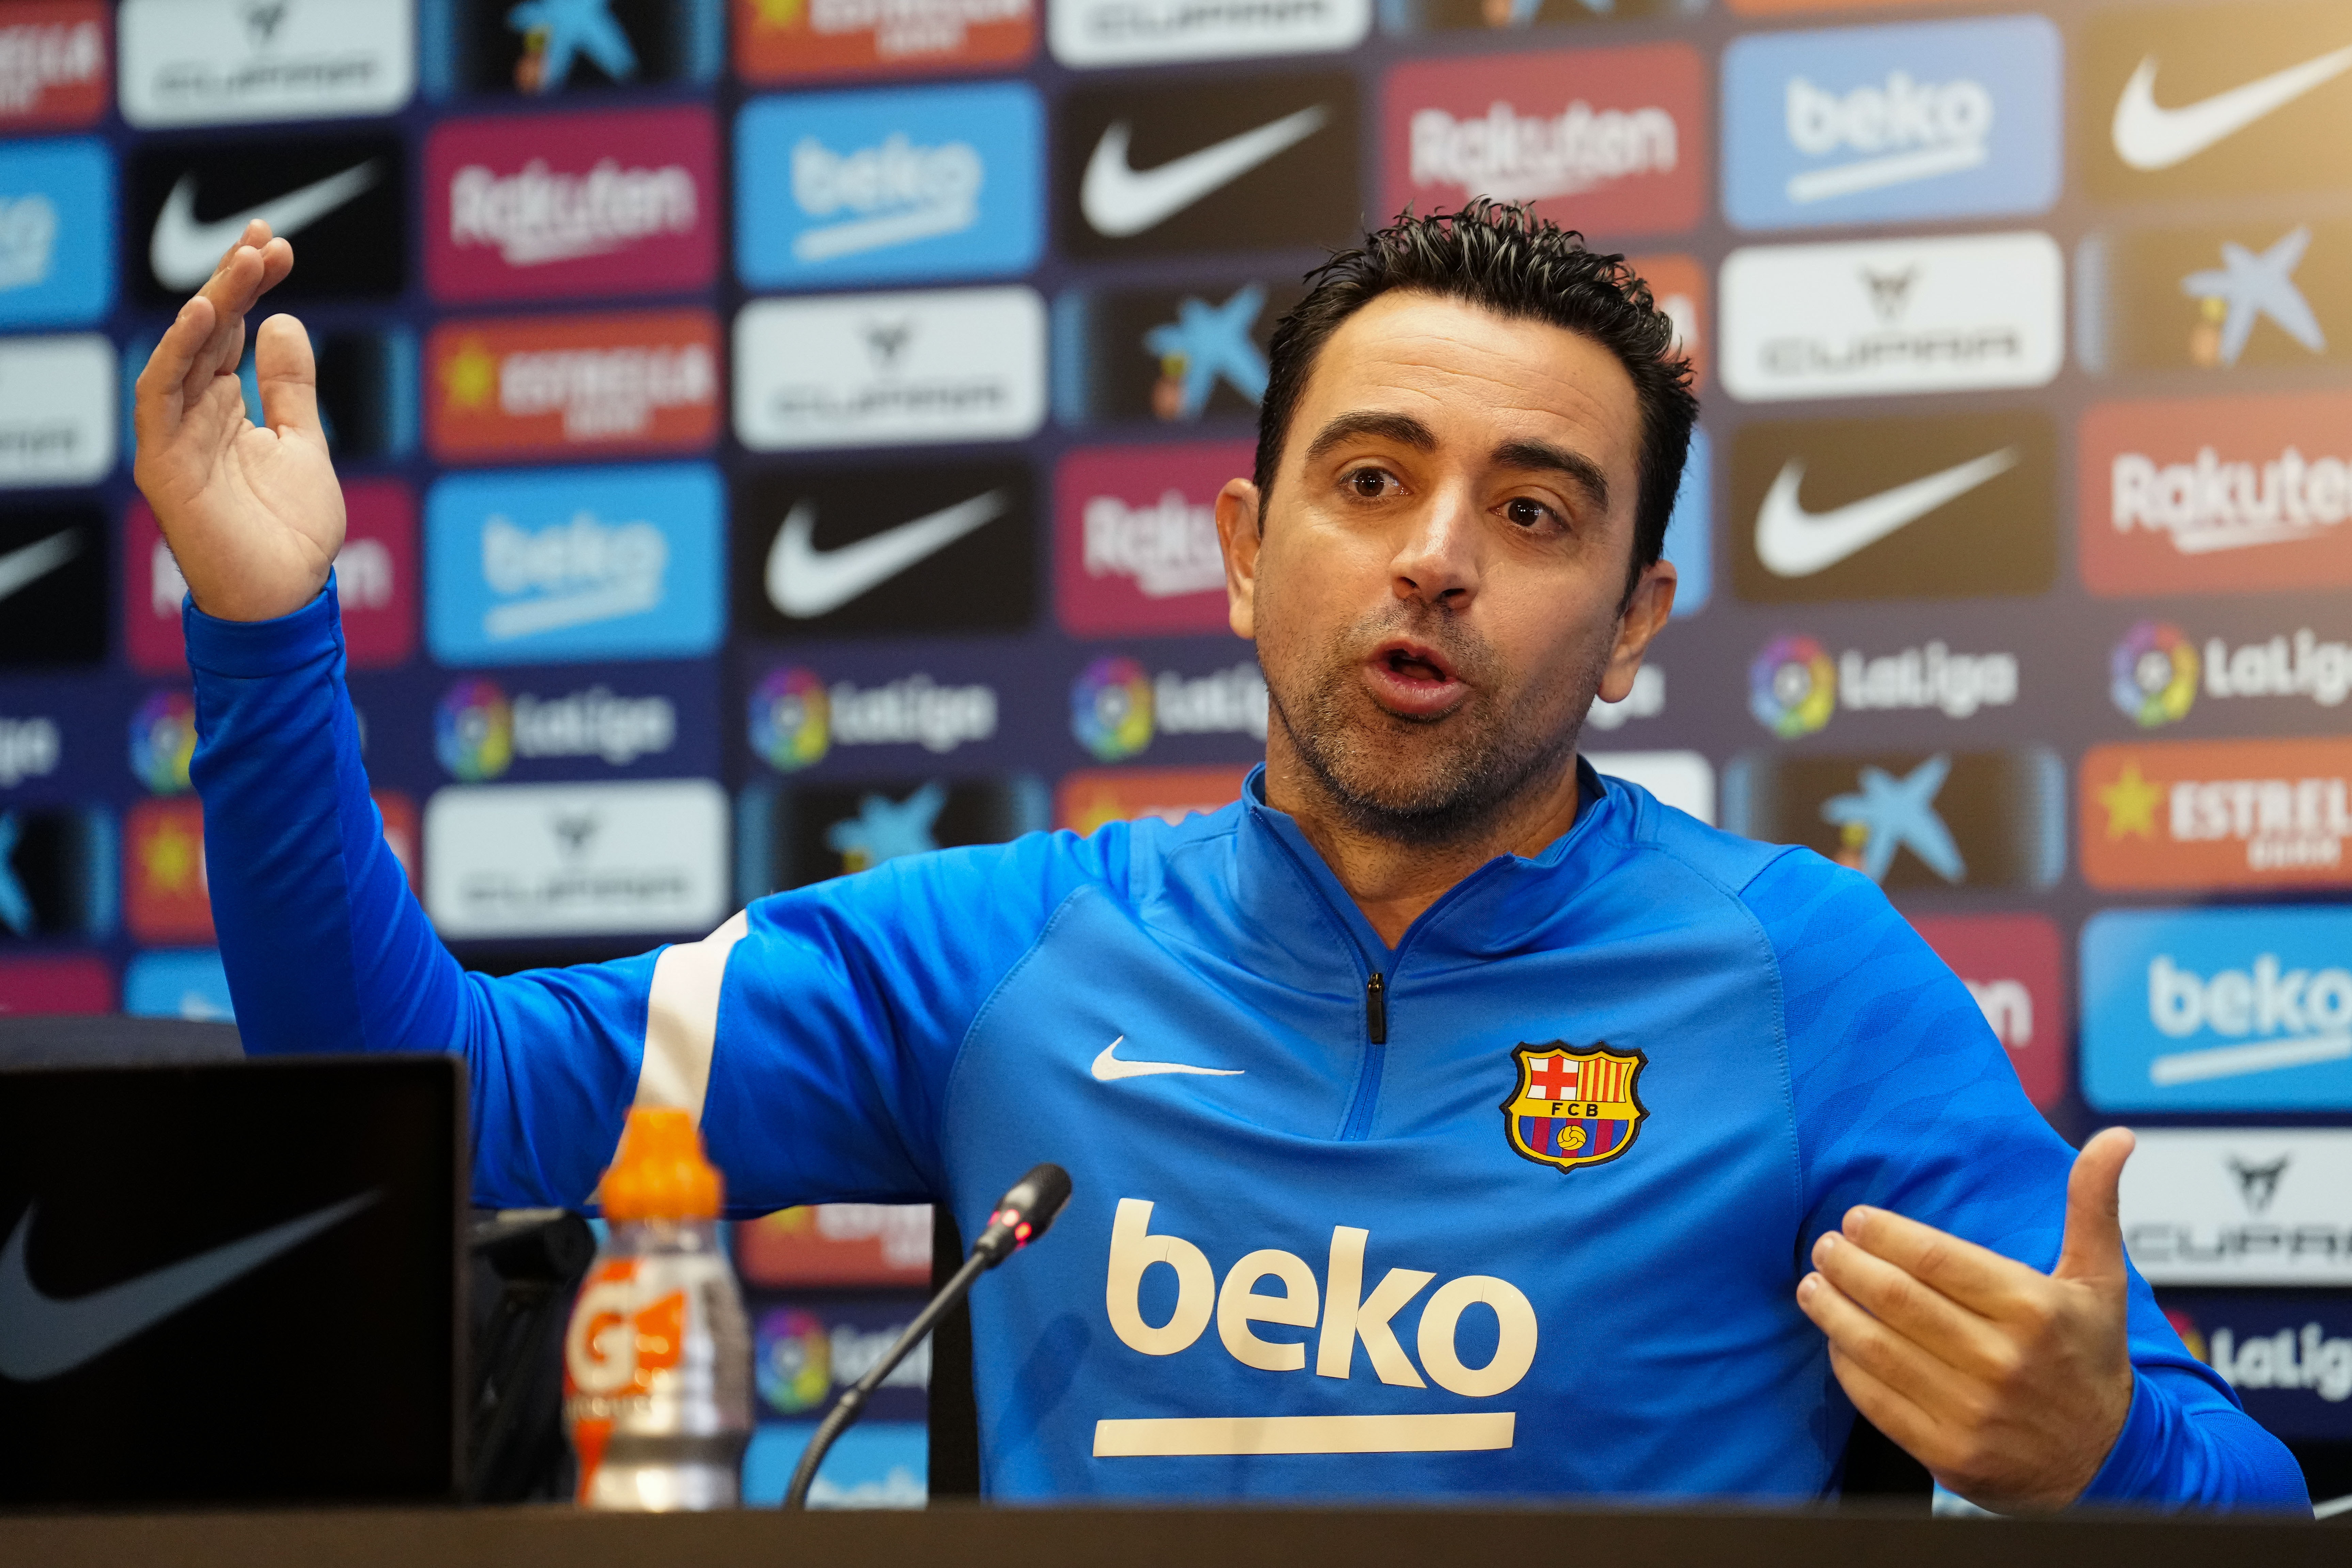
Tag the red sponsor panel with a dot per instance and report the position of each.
(558, 385)
(376, 581)
(1605, 141)
(1135, 538)
(1678, 284)
(556, 206)
(82, 983)
(57, 62)
(837, 1244)
(799, 40)
(2195, 816)
(166, 900)
(2013, 966)
(2217, 495)
(1092, 796)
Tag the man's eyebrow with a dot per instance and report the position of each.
(1402, 428)
(1580, 470)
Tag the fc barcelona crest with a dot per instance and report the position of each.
(1572, 1107)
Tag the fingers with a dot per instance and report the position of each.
(1975, 1277)
(157, 404)
(283, 365)
(1905, 1425)
(2094, 1247)
(1878, 1349)
(1924, 1316)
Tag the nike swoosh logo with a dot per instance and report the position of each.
(183, 252)
(41, 1336)
(1793, 542)
(1108, 1068)
(2149, 138)
(28, 563)
(804, 582)
(1120, 201)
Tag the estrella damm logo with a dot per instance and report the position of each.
(1573, 1108)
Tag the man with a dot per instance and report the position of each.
(1445, 1117)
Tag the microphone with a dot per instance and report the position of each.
(1022, 1215)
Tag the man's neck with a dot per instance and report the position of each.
(1391, 880)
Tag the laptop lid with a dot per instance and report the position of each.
(232, 1282)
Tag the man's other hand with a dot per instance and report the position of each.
(253, 512)
(2011, 1385)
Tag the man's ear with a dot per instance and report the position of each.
(1645, 616)
(1238, 535)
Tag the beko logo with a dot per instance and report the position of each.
(2308, 1012)
(1515, 157)
(570, 573)
(1154, 32)
(29, 236)
(1899, 132)
(30, 748)
(1891, 316)
(211, 62)
(882, 196)
(1348, 1317)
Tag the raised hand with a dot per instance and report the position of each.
(2011, 1385)
(253, 512)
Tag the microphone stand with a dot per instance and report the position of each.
(1020, 1218)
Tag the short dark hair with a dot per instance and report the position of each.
(1502, 258)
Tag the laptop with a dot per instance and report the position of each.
(232, 1282)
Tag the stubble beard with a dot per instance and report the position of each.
(1430, 782)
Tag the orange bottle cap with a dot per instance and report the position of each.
(660, 1171)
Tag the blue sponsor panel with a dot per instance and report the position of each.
(844, 187)
(57, 232)
(1936, 119)
(878, 1464)
(553, 566)
(187, 983)
(2289, 1356)
(2237, 1009)
(1689, 530)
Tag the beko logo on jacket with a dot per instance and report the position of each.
(776, 42)
(1612, 140)
(576, 860)
(1956, 506)
(53, 62)
(343, 200)
(539, 385)
(918, 182)
(2214, 298)
(57, 410)
(2216, 495)
(1135, 538)
(865, 370)
(1341, 1316)
(217, 62)
(532, 206)
(2195, 814)
(2214, 100)
(1155, 32)
(1867, 317)
(2239, 1205)
(1936, 119)
(905, 548)
(575, 564)
(2218, 1009)
(1171, 170)
(56, 233)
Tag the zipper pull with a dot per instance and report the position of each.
(1376, 1011)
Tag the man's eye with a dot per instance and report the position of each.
(1371, 484)
(1526, 512)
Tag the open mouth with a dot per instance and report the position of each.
(1414, 679)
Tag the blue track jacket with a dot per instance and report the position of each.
(1519, 1206)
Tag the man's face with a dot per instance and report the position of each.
(1434, 588)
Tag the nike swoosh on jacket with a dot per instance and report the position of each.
(924, 1030)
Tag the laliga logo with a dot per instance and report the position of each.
(164, 741)
(1793, 687)
(790, 719)
(795, 1366)
(2153, 675)
(473, 730)
(1110, 708)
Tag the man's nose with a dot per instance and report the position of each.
(1438, 560)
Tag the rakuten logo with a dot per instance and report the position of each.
(1135, 529)
(1348, 1317)
(1168, 547)
(2206, 504)
(536, 216)
(1515, 157)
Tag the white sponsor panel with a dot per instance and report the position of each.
(2241, 1206)
(57, 410)
(30, 748)
(219, 62)
(576, 858)
(865, 370)
(1684, 780)
(1154, 32)
(1875, 317)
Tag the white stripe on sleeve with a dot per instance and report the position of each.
(682, 1019)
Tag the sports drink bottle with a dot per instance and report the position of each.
(657, 1358)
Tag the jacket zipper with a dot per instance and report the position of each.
(1359, 1125)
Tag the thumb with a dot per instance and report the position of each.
(288, 377)
(2093, 1250)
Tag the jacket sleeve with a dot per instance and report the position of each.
(812, 1033)
(1905, 1099)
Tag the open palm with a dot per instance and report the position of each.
(252, 511)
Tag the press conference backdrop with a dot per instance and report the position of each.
(780, 437)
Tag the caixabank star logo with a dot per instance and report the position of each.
(1573, 1107)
